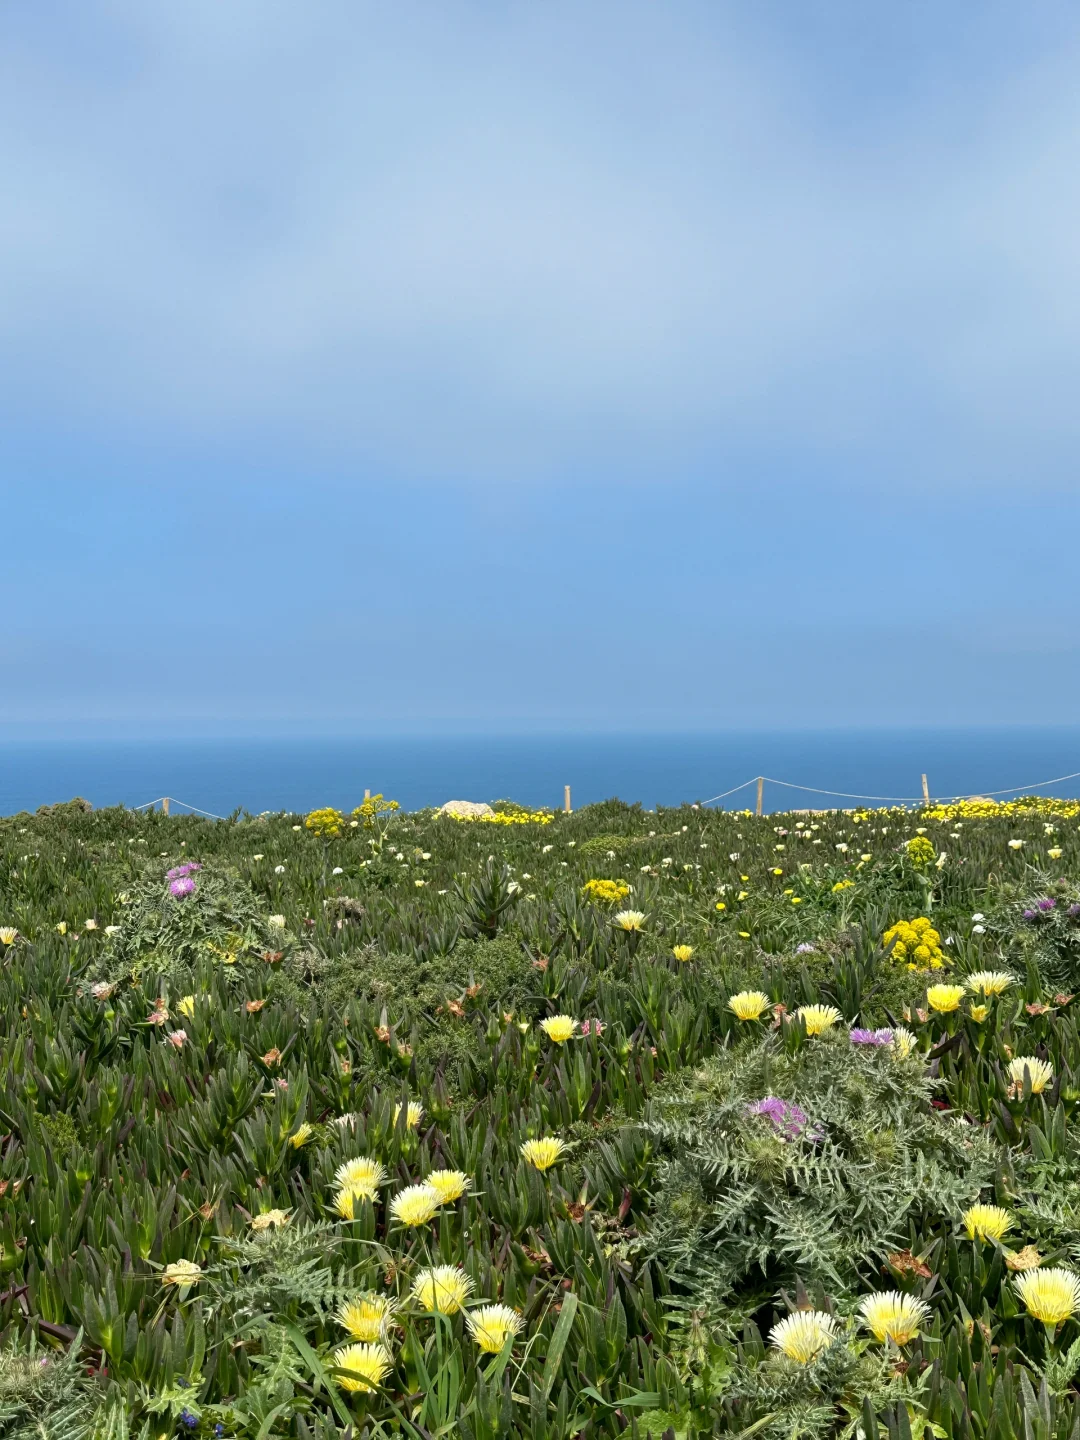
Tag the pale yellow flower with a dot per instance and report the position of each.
(363, 1366)
(804, 1335)
(944, 998)
(558, 1028)
(989, 982)
(749, 1004)
(413, 1114)
(891, 1315)
(187, 1006)
(1040, 1072)
(629, 919)
(361, 1175)
(269, 1220)
(682, 953)
(8, 934)
(181, 1272)
(979, 1012)
(818, 1018)
(904, 1042)
(367, 1317)
(444, 1288)
(62, 927)
(987, 1222)
(415, 1205)
(492, 1325)
(543, 1154)
(301, 1135)
(449, 1185)
(1051, 1296)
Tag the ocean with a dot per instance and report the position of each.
(222, 776)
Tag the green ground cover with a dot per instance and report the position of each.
(673, 1122)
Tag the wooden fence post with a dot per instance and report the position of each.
(165, 805)
(367, 794)
(760, 792)
(925, 791)
(566, 799)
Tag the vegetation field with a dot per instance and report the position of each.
(674, 1122)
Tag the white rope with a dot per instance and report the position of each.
(729, 792)
(149, 805)
(900, 799)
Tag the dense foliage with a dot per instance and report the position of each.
(540, 1125)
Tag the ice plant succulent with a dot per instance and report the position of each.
(989, 982)
(892, 1315)
(629, 920)
(987, 1222)
(413, 1114)
(362, 1367)
(944, 998)
(804, 1335)
(444, 1288)
(492, 1325)
(748, 1004)
(362, 1176)
(558, 1028)
(682, 953)
(1052, 1296)
(818, 1018)
(415, 1205)
(542, 1154)
(1039, 1072)
(449, 1185)
(367, 1317)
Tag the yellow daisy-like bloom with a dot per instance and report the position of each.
(415, 1205)
(804, 1335)
(944, 998)
(181, 1272)
(449, 1185)
(346, 1201)
(269, 1220)
(818, 1018)
(61, 927)
(904, 1042)
(543, 1154)
(891, 1315)
(491, 1326)
(558, 1028)
(682, 953)
(362, 1176)
(987, 1222)
(629, 919)
(979, 1012)
(413, 1114)
(749, 1004)
(367, 1317)
(301, 1135)
(187, 1007)
(8, 934)
(364, 1365)
(444, 1288)
(1041, 1073)
(990, 982)
(1051, 1296)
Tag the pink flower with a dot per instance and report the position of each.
(178, 1038)
(592, 1027)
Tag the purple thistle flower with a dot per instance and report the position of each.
(1046, 904)
(790, 1119)
(1029, 914)
(806, 947)
(1073, 911)
(860, 1036)
(184, 886)
(179, 871)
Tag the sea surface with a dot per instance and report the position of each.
(223, 776)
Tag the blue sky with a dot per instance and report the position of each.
(578, 364)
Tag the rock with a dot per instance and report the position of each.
(66, 807)
(471, 808)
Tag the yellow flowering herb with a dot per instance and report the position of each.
(415, 1205)
(606, 892)
(682, 953)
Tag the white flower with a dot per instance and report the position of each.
(842, 848)
(1054, 853)
(734, 856)
(279, 869)
(978, 916)
(90, 925)
(276, 922)
(112, 929)
(337, 870)
(978, 929)
(426, 854)
(546, 848)
(1015, 844)
(296, 827)
(256, 857)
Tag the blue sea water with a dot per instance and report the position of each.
(221, 776)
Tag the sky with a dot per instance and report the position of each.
(586, 365)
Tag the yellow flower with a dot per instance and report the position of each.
(361, 1176)
(269, 1220)
(412, 1115)
(8, 934)
(842, 885)
(804, 1335)
(187, 1006)
(742, 895)
(989, 982)
(543, 1154)
(682, 953)
(1015, 844)
(818, 1018)
(364, 1366)
(720, 905)
(607, 891)
(444, 1288)
(62, 927)
(744, 934)
(415, 1205)
(301, 1135)
(327, 822)
(367, 1317)
(749, 1004)
(558, 1028)
(1050, 1295)
(629, 920)
(944, 998)
(987, 1222)
(492, 1325)
(904, 1042)
(891, 1315)
(449, 1185)
(1041, 1073)
(181, 1272)
(979, 1012)
(1054, 853)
